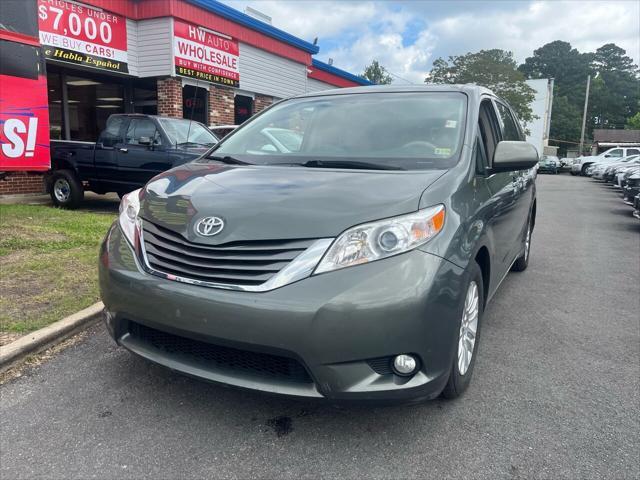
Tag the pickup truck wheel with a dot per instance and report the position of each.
(468, 336)
(66, 190)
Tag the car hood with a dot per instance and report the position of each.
(260, 202)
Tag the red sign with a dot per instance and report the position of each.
(204, 55)
(24, 124)
(80, 34)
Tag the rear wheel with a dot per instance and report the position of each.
(468, 335)
(66, 189)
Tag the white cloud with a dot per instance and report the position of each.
(354, 33)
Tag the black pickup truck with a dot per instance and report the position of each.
(131, 150)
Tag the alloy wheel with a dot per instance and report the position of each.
(62, 190)
(468, 328)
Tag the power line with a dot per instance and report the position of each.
(401, 78)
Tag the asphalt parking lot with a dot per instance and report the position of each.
(556, 391)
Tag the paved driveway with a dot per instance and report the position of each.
(556, 390)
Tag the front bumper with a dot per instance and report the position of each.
(337, 325)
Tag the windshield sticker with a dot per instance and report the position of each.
(442, 151)
(451, 124)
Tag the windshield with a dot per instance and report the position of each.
(182, 132)
(402, 130)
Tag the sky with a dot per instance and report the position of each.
(407, 36)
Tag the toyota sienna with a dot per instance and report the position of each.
(339, 245)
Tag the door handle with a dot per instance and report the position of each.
(124, 150)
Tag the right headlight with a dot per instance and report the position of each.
(381, 239)
(128, 218)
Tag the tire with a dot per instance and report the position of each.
(574, 173)
(583, 170)
(66, 190)
(522, 262)
(459, 380)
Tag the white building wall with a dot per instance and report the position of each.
(155, 47)
(541, 107)
(314, 85)
(132, 46)
(266, 73)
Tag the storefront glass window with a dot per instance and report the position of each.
(145, 97)
(194, 103)
(90, 102)
(243, 109)
(54, 85)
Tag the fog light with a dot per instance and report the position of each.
(404, 364)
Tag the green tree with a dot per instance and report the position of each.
(633, 123)
(567, 66)
(617, 91)
(565, 123)
(494, 69)
(377, 74)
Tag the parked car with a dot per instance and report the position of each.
(606, 171)
(624, 174)
(612, 174)
(355, 267)
(222, 131)
(131, 150)
(631, 188)
(582, 163)
(549, 163)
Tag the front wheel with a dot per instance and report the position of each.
(66, 189)
(468, 336)
(522, 262)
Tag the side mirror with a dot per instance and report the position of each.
(144, 141)
(511, 155)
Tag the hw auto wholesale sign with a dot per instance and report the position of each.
(203, 55)
(83, 35)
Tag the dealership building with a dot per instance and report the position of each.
(198, 59)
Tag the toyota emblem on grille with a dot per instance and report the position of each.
(209, 226)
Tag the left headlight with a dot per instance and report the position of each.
(377, 240)
(128, 218)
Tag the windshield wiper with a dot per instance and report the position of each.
(348, 164)
(228, 159)
(194, 143)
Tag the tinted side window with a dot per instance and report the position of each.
(482, 163)
(142, 127)
(111, 134)
(489, 129)
(510, 130)
(615, 153)
(632, 151)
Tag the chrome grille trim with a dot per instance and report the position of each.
(243, 266)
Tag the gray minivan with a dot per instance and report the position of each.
(355, 264)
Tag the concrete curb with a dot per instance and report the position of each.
(44, 338)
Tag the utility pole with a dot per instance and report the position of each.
(584, 114)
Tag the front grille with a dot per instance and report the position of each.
(222, 358)
(234, 263)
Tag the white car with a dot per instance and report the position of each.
(605, 170)
(580, 164)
